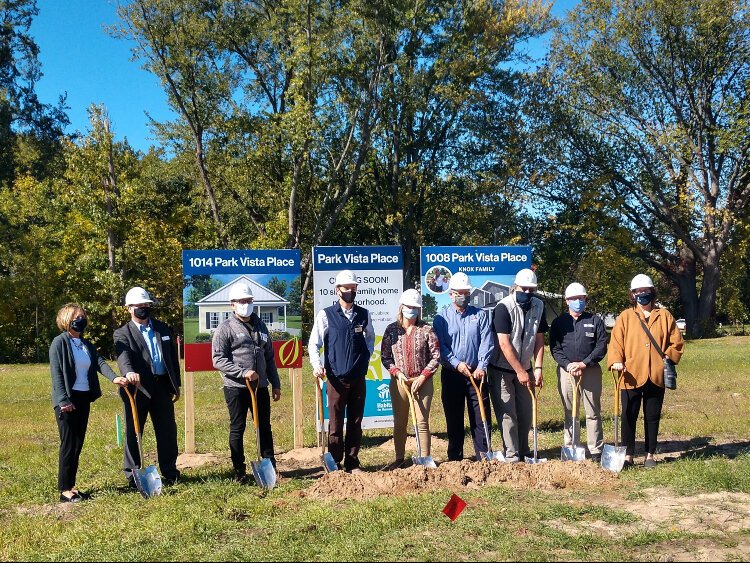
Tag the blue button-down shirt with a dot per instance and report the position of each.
(464, 337)
(153, 347)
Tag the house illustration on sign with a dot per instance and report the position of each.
(215, 308)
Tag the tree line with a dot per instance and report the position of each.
(303, 123)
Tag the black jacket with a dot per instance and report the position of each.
(63, 370)
(133, 354)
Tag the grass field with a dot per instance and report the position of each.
(695, 505)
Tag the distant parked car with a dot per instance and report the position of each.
(681, 324)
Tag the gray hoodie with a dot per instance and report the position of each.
(238, 347)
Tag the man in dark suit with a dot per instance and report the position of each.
(147, 356)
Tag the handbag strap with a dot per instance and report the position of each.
(651, 336)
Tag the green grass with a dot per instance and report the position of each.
(208, 517)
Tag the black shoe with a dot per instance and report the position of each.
(169, 481)
(628, 465)
(131, 483)
(649, 463)
(596, 458)
(84, 496)
(242, 479)
(75, 498)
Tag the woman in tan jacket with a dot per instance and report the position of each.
(631, 351)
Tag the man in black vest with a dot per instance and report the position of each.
(345, 331)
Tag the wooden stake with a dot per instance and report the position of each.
(296, 377)
(189, 394)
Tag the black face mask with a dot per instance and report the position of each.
(348, 296)
(142, 312)
(79, 325)
(524, 300)
(644, 298)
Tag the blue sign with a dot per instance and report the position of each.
(491, 270)
(357, 258)
(217, 262)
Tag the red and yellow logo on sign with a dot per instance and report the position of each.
(288, 353)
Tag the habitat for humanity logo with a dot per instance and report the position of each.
(384, 394)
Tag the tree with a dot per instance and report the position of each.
(279, 287)
(649, 117)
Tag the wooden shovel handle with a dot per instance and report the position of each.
(479, 396)
(254, 398)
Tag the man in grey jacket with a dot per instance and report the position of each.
(243, 351)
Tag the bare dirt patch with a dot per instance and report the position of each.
(465, 474)
(191, 461)
(62, 510)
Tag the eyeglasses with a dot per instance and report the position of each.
(141, 306)
(527, 289)
(245, 301)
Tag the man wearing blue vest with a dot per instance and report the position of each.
(346, 333)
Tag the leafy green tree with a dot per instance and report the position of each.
(648, 115)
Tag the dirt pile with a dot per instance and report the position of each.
(459, 475)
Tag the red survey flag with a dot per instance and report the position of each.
(454, 507)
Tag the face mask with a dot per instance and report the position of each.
(644, 298)
(461, 301)
(142, 313)
(409, 313)
(348, 296)
(242, 309)
(524, 300)
(577, 305)
(79, 325)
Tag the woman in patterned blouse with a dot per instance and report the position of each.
(411, 354)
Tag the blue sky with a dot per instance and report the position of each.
(79, 57)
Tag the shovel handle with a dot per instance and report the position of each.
(321, 418)
(254, 399)
(617, 380)
(478, 389)
(136, 420)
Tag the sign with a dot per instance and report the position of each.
(379, 272)
(491, 270)
(275, 280)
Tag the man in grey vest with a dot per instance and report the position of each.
(519, 322)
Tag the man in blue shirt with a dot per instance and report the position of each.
(466, 344)
(147, 356)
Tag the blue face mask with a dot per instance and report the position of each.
(644, 298)
(409, 313)
(577, 305)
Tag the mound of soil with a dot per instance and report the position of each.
(191, 461)
(459, 475)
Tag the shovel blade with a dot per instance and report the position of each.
(426, 461)
(573, 453)
(494, 456)
(613, 458)
(329, 464)
(535, 460)
(264, 473)
(147, 481)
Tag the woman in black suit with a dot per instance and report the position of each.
(74, 363)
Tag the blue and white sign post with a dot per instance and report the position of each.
(379, 271)
(491, 269)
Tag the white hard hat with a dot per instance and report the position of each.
(641, 280)
(411, 298)
(525, 278)
(240, 290)
(346, 277)
(574, 289)
(136, 296)
(459, 281)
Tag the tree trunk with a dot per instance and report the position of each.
(200, 161)
(707, 300)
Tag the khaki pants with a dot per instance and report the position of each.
(591, 396)
(402, 418)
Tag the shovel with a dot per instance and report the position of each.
(329, 464)
(147, 481)
(534, 393)
(613, 457)
(489, 455)
(574, 452)
(418, 459)
(263, 470)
